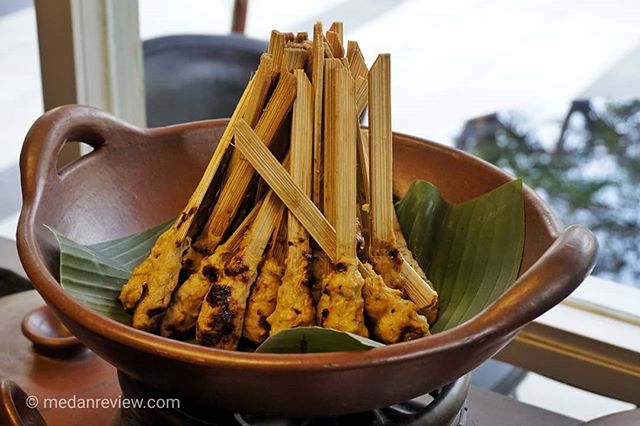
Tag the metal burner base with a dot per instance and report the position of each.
(443, 407)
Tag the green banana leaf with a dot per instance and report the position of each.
(471, 252)
(315, 339)
(94, 274)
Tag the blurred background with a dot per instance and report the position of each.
(547, 89)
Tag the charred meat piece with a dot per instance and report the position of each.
(151, 285)
(295, 306)
(394, 318)
(221, 317)
(341, 304)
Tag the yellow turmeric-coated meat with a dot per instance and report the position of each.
(341, 305)
(152, 283)
(262, 301)
(394, 318)
(386, 261)
(181, 315)
(221, 316)
(186, 302)
(295, 306)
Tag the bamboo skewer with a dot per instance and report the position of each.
(301, 152)
(345, 141)
(295, 306)
(239, 176)
(317, 79)
(329, 139)
(263, 80)
(381, 152)
(341, 305)
(276, 48)
(264, 293)
(333, 39)
(338, 28)
(363, 165)
(384, 253)
(410, 267)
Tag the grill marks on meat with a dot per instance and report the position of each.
(386, 261)
(181, 315)
(187, 300)
(220, 321)
(158, 276)
(394, 318)
(295, 306)
(341, 304)
(262, 300)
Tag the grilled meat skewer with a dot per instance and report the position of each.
(295, 305)
(221, 316)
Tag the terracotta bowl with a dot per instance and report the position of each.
(136, 178)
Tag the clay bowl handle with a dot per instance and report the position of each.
(568, 261)
(16, 408)
(48, 135)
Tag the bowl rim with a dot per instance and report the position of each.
(468, 333)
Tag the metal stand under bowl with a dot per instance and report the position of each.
(443, 407)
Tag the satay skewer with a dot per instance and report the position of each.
(317, 80)
(341, 305)
(295, 306)
(264, 293)
(384, 253)
(211, 234)
(220, 321)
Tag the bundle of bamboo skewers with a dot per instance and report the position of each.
(312, 238)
